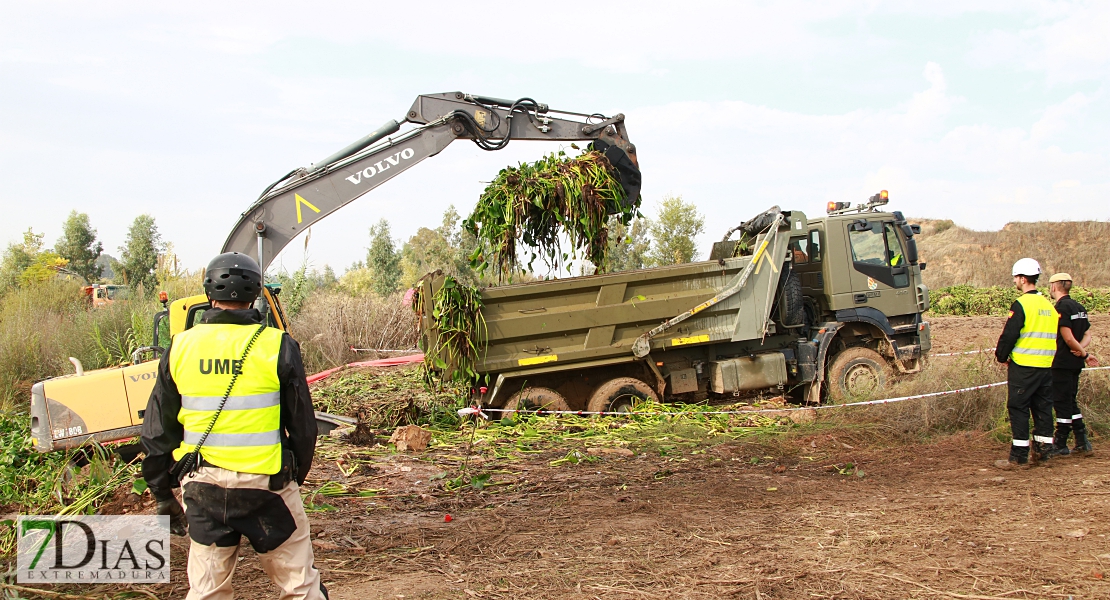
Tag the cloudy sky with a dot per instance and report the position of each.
(981, 112)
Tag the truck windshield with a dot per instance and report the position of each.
(868, 246)
(877, 252)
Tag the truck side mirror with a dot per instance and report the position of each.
(911, 251)
(916, 228)
(859, 225)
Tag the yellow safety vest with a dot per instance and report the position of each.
(247, 436)
(1036, 346)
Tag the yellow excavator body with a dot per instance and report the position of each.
(108, 404)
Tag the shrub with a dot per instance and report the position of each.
(42, 325)
(966, 300)
(942, 226)
(331, 322)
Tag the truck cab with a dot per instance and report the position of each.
(862, 285)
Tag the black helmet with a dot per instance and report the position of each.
(233, 277)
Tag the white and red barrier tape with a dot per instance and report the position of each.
(473, 410)
(963, 353)
(381, 362)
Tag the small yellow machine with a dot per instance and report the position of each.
(108, 404)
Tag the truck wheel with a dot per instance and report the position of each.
(856, 374)
(531, 399)
(792, 309)
(618, 394)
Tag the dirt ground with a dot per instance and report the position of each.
(813, 513)
(818, 516)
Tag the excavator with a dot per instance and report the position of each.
(107, 405)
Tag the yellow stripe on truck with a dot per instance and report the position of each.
(696, 339)
(539, 360)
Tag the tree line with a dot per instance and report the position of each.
(78, 252)
(668, 238)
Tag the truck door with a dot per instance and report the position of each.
(879, 274)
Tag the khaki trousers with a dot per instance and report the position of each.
(222, 506)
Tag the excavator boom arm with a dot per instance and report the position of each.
(304, 196)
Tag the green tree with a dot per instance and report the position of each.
(139, 254)
(19, 256)
(78, 245)
(382, 260)
(443, 248)
(628, 246)
(47, 265)
(674, 231)
(357, 280)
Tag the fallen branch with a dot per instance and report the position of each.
(51, 594)
(941, 592)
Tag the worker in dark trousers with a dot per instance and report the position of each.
(1071, 355)
(1028, 345)
(230, 419)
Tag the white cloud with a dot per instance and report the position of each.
(980, 175)
(188, 111)
(1060, 117)
(1068, 42)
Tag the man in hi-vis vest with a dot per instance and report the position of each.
(230, 420)
(1028, 345)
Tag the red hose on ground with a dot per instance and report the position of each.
(381, 362)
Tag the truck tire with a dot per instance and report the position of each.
(856, 374)
(531, 399)
(617, 395)
(792, 305)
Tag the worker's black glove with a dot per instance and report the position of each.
(172, 508)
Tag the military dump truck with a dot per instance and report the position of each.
(820, 309)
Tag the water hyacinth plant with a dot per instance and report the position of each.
(458, 331)
(537, 202)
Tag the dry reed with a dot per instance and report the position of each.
(331, 322)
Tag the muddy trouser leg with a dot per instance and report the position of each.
(210, 570)
(212, 561)
(222, 505)
(1018, 405)
(290, 565)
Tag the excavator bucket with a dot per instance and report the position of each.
(627, 170)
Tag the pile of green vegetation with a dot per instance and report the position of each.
(538, 202)
(385, 398)
(33, 483)
(458, 331)
(967, 300)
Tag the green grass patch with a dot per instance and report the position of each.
(34, 483)
(967, 300)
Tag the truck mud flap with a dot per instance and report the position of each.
(806, 354)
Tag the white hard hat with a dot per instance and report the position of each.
(1027, 267)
